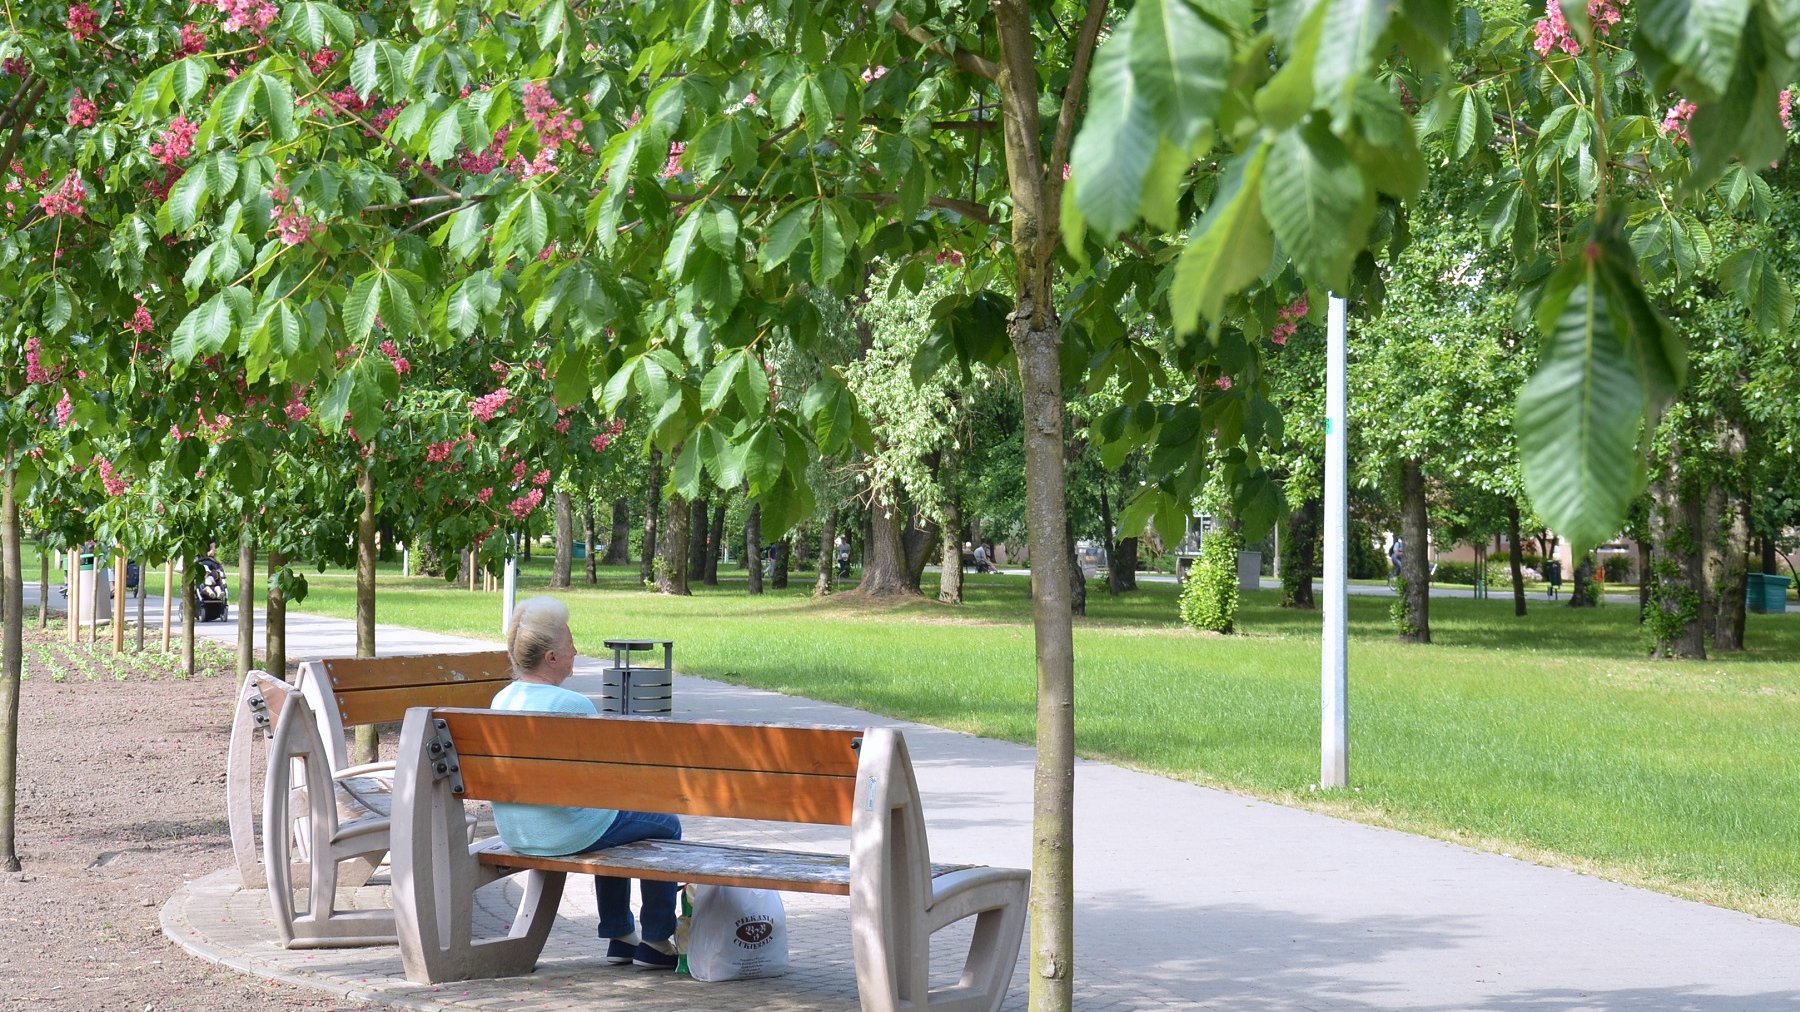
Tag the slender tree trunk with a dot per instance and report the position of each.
(143, 592)
(618, 550)
(44, 582)
(367, 735)
(118, 619)
(884, 555)
(587, 537)
(275, 621)
(784, 557)
(188, 616)
(246, 625)
(1645, 577)
(1769, 566)
(652, 505)
(1415, 564)
(715, 544)
(1728, 569)
(1582, 595)
(1298, 548)
(72, 618)
(1108, 542)
(12, 661)
(1677, 599)
(563, 567)
(169, 599)
(950, 582)
(697, 540)
(672, 577)
(827, 555)
(753, 549)
(1515, 558)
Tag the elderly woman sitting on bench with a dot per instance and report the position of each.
(542, 650)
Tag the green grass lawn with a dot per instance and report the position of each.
(1550, 737)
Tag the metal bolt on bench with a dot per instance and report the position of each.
(627, 688)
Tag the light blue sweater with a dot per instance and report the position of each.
(548, 830)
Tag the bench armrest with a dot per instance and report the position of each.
(972, 891)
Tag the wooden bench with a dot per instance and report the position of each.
(860, 778)
(332, 810)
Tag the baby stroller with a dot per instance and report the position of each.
(211, 598)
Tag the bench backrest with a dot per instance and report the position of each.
(770, 772)
(346, 692)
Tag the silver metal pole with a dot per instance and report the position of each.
(509, 594)
(1334, 702)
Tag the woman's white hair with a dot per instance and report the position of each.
(537, 628)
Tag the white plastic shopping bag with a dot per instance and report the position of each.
(734, 933)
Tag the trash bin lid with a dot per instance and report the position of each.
(635, 644)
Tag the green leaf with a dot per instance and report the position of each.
(189, 77)
(685, 475)
(719, 379)
(1230, 248)
(1578, 417)
(361, 307)
(182, 209)
(828, 247)
(534, 222)
(1354, 28)
(1317, 202)
(276, 103)
(1178, 59)
(1700, 37)
(719, 230)
(550, 23)
(59, 308)
(315, 24)
(753, 386)
(1111, 156)
(571, 385)
(399, 314)
(466, 238)
(1753, 278)
(1143, 505)
(446, 137)
(784, 235)
(233, 104)
(681, 243)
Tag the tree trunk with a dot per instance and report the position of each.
(1299, 548)
(246, 625)
(950, 581)
(1415, 562)
(753, 549)
(827, 555)
(1678, 594)
(918, 543)
(587, 538)
(187, 615)
(275, 621)
(652, 504)
(1768, 560)
(1077, 577)
(1644, 577)
(44, 582)
(563, 568)
(697, 540)
(1106, 540)
(367, 735)
(884, 555)
(715, 544)
(1582, 594)
(618, 550)
(1515, 558)
(1728, 569)
(672, 575)
(12, 662)
(783, 557)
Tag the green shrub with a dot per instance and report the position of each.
(1209, 597)
(1367, 561)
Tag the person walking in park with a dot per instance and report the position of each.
(1396, 555)
(843, 556)
(542, 651)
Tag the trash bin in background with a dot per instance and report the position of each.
(1766, 593)
(630, 688)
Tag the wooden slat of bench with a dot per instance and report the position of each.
(350, 673)
(700, 864)
(388, 705)
(768, 748)
(743, 794)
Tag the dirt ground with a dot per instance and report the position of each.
(121, 799)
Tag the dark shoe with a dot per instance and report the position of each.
(619, 951)
(653, 958)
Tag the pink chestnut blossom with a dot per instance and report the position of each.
(485, 407)
(82, 111)
(66, 199)
(82, 22)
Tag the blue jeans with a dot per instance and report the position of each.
(614, 894)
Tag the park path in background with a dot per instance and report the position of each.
(1186, 896)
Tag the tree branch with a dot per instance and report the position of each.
(1072, 94)
(963, 59)
(20, 112)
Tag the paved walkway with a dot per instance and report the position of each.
(1186, 898)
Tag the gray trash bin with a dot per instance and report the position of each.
(638, 688)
